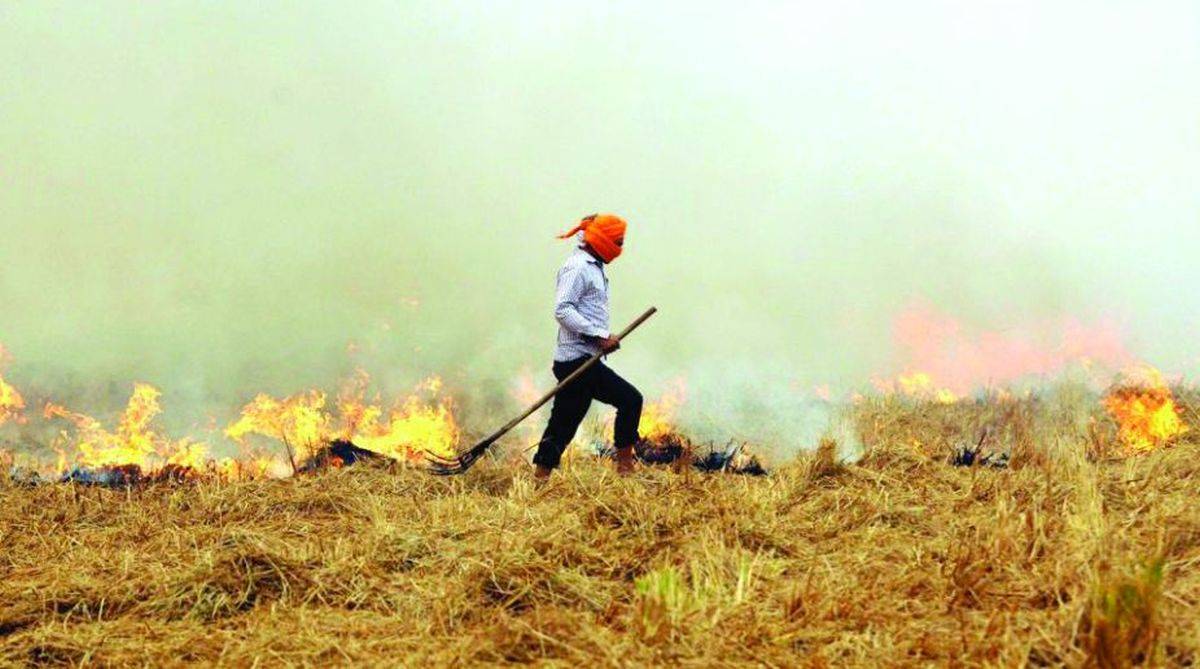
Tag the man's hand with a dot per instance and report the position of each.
(608, 344)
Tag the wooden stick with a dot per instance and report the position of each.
(291, 458)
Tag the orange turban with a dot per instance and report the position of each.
(603, 232)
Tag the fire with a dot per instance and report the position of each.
(299, 421)
(948, 358)
(917, 385)
(190, 455)
(920, 384)
(1145, 411)
(412, 426)
(658, 418)
(231, 469)
(135, 442)
(11, 403)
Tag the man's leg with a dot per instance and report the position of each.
(616, 391)
(570, 406)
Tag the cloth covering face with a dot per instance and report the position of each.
(604, 233)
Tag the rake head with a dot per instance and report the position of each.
(443, 466)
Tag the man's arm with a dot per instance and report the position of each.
(571, 286)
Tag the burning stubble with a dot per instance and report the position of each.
(227, 201)
(901, 252)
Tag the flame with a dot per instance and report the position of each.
(949, 359)
(658, 418)
(231, 469)
(917, 385)
(299, 421)
(135, 442)
(412, 426)
(189, 454)
(12, 405)
(1145, 410)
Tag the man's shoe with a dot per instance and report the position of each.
(625, 461)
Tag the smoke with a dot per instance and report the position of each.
(238, 197)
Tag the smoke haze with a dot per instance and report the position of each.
(223, 198)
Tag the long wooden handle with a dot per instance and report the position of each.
(570, 377)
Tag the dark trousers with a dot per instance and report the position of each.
(571, 405)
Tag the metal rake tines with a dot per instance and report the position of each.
(449, 466)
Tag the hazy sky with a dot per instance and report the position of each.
(218, 197)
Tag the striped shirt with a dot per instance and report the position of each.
(580, 306)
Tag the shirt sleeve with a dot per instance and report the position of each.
(571, 286)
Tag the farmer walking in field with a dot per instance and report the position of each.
(581, 309)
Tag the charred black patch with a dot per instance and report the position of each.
(128, 476)
(677, 450)
(979, 454)
(733, 460)
(661, 451)
(116, 476)
(339, 453)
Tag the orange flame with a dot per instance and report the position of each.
(658, 418)
(12, 405)
(916, 385)
(133, 443)
(230, 469)
(412, 426)
(948, 358)
(299, 421)
(1145, 411)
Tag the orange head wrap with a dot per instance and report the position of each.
(603, 232)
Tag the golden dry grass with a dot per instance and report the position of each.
(1069, 557)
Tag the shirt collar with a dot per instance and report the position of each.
(589, 257)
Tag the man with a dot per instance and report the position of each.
(581, 308)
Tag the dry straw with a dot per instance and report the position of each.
(1070, 556)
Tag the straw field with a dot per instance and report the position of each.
(1072, 555)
